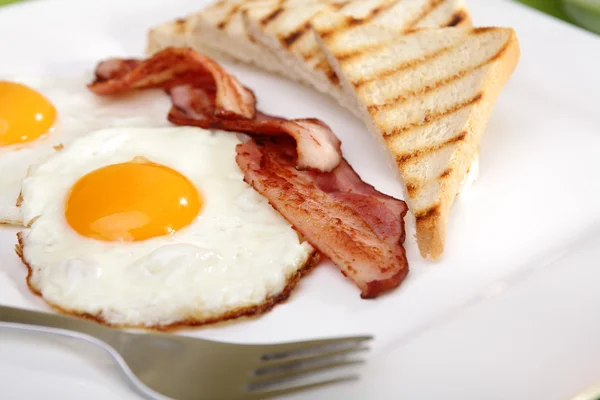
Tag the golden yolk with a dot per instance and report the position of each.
(131, 201)
(25, 114)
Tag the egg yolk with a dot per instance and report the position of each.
(25, 114)
(131, 201)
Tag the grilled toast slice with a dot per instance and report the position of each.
(426, 95)
(218, 31)
(285, 32)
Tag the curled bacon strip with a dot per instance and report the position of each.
(318, 148)
(359, 228)
(172, 67)
(206, 96)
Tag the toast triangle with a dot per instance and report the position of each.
(286, 31)
(427, 96)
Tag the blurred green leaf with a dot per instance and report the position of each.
(583, 13)
(5, 2)
(552, 7)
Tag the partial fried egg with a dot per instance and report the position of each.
(147, 227)
(39, 116)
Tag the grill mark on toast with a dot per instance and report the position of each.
(428, 9)
(430, 212)
(459, 17)
(482, 29)
(446, 173)
(438, 84)
(422, 91)
(331, 75)
(333, 78)
(273, 14)
(431, 117)
(350, 21)
(290, 38)
(404, 158)
(311, 55)
(411, 64)
(355, 53)
(223, 24)
(349, 55)
(412, 189)
(340, 5)
(324, 64)
(180, 24)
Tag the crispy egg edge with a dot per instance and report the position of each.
(251, 311)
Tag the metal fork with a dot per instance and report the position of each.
(188, 368)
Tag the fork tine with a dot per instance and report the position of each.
(267, 367)
(298, 388)
(306, 348)
(284, 376)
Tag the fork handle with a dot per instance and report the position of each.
(34, 319)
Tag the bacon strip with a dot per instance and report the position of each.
(204, 95)
(318, 148)
(359, 228)
(172, 67)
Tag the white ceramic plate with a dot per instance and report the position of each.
(537, 198)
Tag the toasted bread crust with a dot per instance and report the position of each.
(251, 311)
(431, 229)
(431, 224)
(430, 196)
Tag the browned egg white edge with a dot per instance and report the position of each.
(251, 311)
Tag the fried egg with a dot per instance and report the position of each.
(39, 116)
(155, 227)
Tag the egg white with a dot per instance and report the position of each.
(238, 253)
(79, 111)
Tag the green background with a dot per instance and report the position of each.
(3, 2)
(583, 13)
(552, 7)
